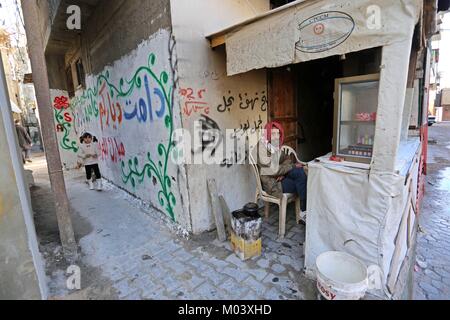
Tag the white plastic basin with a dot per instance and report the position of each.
(340, 276)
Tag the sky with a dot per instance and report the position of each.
(12, 21)
(444, 54)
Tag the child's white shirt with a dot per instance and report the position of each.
(88, 153)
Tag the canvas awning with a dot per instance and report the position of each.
(309, 29)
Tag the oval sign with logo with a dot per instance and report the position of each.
(324, 31)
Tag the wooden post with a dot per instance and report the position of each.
(226, 214)
(217, 212)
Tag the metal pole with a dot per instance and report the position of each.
(41, 85)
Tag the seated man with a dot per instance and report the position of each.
(279, 174)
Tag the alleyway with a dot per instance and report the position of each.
(433, 249)
(129, 252)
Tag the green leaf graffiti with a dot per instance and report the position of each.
(132, 171)
(65, 127)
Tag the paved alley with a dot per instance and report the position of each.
(130, 252)
(432, 277)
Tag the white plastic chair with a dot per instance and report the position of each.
(289, 151)
(281, 202)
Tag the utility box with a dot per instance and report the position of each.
(246, 232)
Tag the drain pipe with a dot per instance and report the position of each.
(42, 88)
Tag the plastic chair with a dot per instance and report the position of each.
(281, 202)
(290, 151)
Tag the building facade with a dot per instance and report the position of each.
(22, 274)
(138, 74)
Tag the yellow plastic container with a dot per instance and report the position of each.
(245, 249)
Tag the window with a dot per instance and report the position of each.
(80, 73)
(435, 53)
(69, 79)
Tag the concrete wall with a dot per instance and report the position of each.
(128, 104)
(117, 27)
(207, 94)
(56, 71)
(66, 131)
(8, 64)
(45, 15)
(21, 267)
(132, 62)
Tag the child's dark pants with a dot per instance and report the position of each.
(96, 169)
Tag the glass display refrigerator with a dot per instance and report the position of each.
(355, 113)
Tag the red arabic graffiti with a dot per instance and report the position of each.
(108, 110)
(112, 150)
(194, 103)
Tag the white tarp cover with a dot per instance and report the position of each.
(14, 107)
(356, 212)
(318, 29)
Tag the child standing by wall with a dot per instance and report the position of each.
(88, 156)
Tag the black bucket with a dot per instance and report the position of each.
(252, 210)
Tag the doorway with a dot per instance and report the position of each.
(301, 98)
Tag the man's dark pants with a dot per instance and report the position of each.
(295, 182)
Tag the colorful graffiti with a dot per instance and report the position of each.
(110, 112)
(64, 120)
(85, 112)
(157, 171)
(192, 103)
(102, 101)
(111, 149)
(145, 109)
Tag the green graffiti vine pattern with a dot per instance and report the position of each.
(150, 168)
(131, 172)
(66, 142)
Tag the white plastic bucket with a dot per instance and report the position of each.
(340, 276)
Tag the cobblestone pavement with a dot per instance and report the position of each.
(137, 257)
(432, 276)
